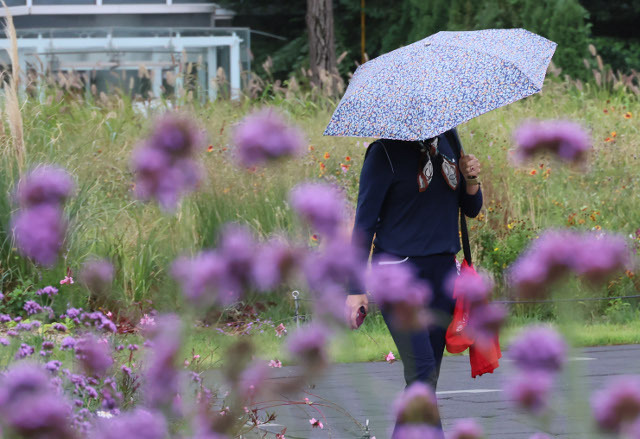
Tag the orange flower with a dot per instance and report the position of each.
(608, 139)
(322, 166)
(533, 172)
(326, 155)
(311, 148)
(628, 115)
(314, 238)
(347, 158)
(614, 134)
(605, 111)
(210, 148)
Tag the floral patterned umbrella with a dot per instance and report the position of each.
(428, 87)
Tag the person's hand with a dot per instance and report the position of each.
(469, 166)
(352, 305)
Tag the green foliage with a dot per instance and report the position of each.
(14, 301)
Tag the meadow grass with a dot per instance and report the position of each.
(93, 138)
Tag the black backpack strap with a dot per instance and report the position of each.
(456, 145)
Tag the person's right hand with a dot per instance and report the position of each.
(352, 305)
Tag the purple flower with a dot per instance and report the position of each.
(321, 205)
(539, 348)
(416, 405)
(417, 431)
(474, 287)
(601, 256)
(568, 140)
(139, 424)
(5, 318)
(396, 287)
(531, 390)
(53, 366)
(337, 265)
(485, 322)
(47, 291)
(32, 307)
(39, 232)
(253, 380)
(221, 275)
(164, 164)
(275, 260)
(48, 345)
(632, 431)
(24, 351)
(28, 385)
(540, 436)
(618, 404)
(309, 345)
(4, 341)
(467, 429)
(162, 379)
(93, 354)
(72, 313)
(45, 185)
(59, 327)
(264, 136)
(97, 276)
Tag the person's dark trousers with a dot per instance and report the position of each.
(421, 351)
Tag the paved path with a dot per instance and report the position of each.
(366, 390)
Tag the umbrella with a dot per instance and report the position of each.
(426, 88)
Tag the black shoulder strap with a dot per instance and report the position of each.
(454, 141)
(385, 151)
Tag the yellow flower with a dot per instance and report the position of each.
(496, 249)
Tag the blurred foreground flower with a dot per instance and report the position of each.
(46, 184)
(139, 424)
(97, 276)
(396, 288)
(567, 140)
(416, 405)
(94, 355)
(617, 406)
(164, 164)
(596, 256)
(320, 204)
(309, 345)
(264, 136)
(539, 348)
(531, 390)
(39, 232)
(417, 431)
(31, 407)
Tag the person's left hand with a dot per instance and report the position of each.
(469, 166)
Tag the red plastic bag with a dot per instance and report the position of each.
(482, 360)
(456, 339)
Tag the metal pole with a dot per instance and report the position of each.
(296, 302)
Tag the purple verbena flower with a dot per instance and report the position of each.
(39, 232)
(320, 204)
(97, 275)
(530, 390)
(618, 404)
(539, 348)
(474, 287)
(24, 351)
(47, 291)
(337, 265)
(275, 260)
(164, 166)
(32, 307)
(4, 341)
(601, 256)
(309, 345)
(566, 139)
(264, 136)
(199, 277)
(417, 431)
(485, 322)
(59, 327)
(139, 423)
(5, 318)
(162, 379)
(27, 385)
(45, 185)
(53, 366)
(72, 313)
(93, 354)
(416, 405)
(253, 380)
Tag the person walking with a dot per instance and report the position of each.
(409, 198)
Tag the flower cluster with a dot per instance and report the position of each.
(164, 164)
(265, 136)
(616, 408)
(39, 225)
(596, 256)
(539, 353)
(567, 140)
(416, 408)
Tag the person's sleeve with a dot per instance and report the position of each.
(375, 179)
(470, 204)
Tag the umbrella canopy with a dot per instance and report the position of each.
(428, 87)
